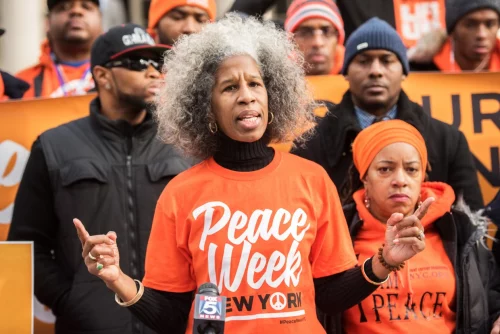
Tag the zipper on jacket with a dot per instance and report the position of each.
(131, 219)
(465, 296)
(132, 229)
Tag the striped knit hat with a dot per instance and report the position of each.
(301, 10)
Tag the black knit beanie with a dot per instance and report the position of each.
(456, 9)
(375, 34)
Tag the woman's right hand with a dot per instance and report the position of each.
(100, 253)
(404, 236)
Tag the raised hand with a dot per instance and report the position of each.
(100, 253)
(404, 237)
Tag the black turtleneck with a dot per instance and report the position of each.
(241, 156)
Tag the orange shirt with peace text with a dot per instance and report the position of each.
(418, 299)
(260, 236)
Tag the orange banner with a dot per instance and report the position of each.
(415, 18)
(470, 102)
(16, 287)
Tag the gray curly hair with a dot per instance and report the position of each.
(183, 107)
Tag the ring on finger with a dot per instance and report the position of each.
(99, 266)
(92, 257)
(421, 236)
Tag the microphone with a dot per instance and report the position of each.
(209, 310)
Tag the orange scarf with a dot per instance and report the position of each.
(445, 59)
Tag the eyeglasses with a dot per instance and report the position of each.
(308, 33)
(138, 65)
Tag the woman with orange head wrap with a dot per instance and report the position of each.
(451, 286)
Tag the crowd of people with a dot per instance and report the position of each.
(373, 223)
(447, 36)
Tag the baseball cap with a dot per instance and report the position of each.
(52, 3)
(123, 40)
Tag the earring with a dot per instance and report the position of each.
(107, 86)
(213, 128)
(367, 202)
(272, 117)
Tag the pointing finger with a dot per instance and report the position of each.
(422, 210)
(80, 231)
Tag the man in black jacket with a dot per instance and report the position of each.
(107, 169)
(375, 65)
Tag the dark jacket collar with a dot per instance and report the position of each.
(341, 123)
(120, 129)
(14, 87)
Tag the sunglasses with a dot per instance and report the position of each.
(138, 65)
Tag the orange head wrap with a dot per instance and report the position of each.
(374, 138)
(158, 8)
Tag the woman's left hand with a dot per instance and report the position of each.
(404, 237)
(496, 327)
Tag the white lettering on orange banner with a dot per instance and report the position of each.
(422, 18)
(9, 151)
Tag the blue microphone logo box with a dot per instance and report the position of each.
(211, 307)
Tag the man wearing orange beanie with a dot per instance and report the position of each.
(170, 19)
(319, 33)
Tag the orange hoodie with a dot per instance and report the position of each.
(419, 298)
(58, 79)
(445, 59)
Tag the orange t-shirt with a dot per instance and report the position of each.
(418, 298)
(260, 236)
(414, 18)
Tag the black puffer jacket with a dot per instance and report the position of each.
(109, 174)
(449, 155)
(477, 275)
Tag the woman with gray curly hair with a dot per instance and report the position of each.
(266, 228)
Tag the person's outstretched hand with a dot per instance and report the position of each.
(100, 253)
